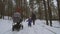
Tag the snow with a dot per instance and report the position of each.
(39, 28)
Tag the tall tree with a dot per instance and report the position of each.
(45, 11)
(58, 4)
(10, 6)
(49, 10)
(1, 8)
(39, 3)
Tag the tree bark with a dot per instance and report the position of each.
(45, 12)
(58, 4)
(49, 10)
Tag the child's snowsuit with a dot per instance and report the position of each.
(29, 22)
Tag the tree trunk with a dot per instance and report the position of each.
(45, 12)
(3, 9)
(0, 8)
(58, 4)
(50, 14)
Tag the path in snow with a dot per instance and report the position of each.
(38, 28)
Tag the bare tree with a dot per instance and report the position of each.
(1, 8)
(58, 4)
(50, 13)
(45, 12)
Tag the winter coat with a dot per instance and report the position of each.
(16, 17)
(33, 17)
(29, 21)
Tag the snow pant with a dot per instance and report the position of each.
(29, 24)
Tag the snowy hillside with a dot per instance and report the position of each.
(38, 28)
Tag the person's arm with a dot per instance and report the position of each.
(27, 20)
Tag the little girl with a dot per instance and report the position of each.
(29, 21)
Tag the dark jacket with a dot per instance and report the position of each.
(33, 17)
(29, 21)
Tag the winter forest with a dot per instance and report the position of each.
(47, 14)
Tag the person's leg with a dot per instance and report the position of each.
(29, 24)
(33, 22)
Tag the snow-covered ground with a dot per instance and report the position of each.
(38, 28)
